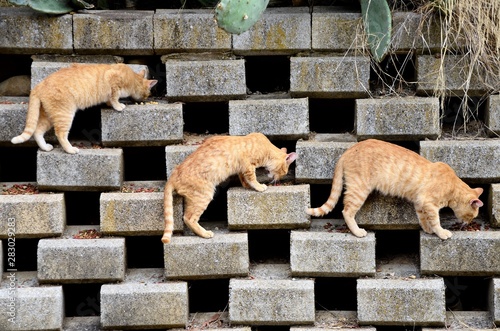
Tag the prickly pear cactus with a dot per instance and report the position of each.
(237, 16)
(53, 6)
(378, 25)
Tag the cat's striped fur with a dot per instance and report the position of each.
(393, 170)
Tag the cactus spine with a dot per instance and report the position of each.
(237, 16)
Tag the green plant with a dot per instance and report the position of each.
(53, 6)
(237, 16)
(377, 22)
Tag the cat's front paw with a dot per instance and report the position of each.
(444, 234)
(119, 107)
(208, 234)
(72, 150)
(261, 187)
(47, 147)
(360, 233)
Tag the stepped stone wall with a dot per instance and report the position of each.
(300, 77)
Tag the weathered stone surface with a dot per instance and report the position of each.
(280, 30)
(472, 253)
(401, 302)
(279, 207)
(493, 115)
(271, 302)
(223, 256)
(329, 76)
(329, 320)
(412, 31)
(2, 258)
(466, 320)
(79, 323)
(494, 204)
(148, 305)
(276, 118)
(34, 215)
(473, 160)
(324, 254)
(124, 32)
(188, 31)
(199, 320)
(25, 31)
(388, 118)
(175, 154)
(495, 300)
(205, 79)
(142, 125)
(90, 169)
(334, 28)
(81, 260)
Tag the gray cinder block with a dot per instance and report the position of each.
(401, 302)
(494, 205)
(472, 253)
(79, 323)
(329, 76)
(192, 257)
(495, 300)
(334, 29)
(142, 125)
(279, 207)
(475, 161)
(81, 260)
(90, 169)
(175, 154)
(284, 30)
(188, 30)
(323, 254)
(388, 118)
(271, 301)
(493, 115)
(276, 118)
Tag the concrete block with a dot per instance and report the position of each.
(466, 320)
(81, 260)
(188, 31)
(329, 320)
(147, 305)
(212, 321)
(324, 254)
(280, 30)
(175, 154)
(494, 204)
(142, 125)
(205, 79)
(223, 256)
(466, 253)
(401, 302)
(279, 207)
(335, 28)
(456, 74)
(412, 31)
(26, 31)
(493, 115)
(123, 32)
(90, 169)
(48, 210)
(495, 300)
(35, 308)
(271, 302)
(317, 160)
(2, 259)
(136, 214)
(466, 157)
(79, 323)
(388, 118)
(276, 118)
(329, 76)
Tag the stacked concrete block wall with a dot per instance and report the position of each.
(82, 251)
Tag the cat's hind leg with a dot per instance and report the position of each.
(353, 200)
(194, 208)
(61, 129)
(428, 216)
(43, 126)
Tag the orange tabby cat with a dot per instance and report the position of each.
(393, 170)
(214, 161)
(55, 100)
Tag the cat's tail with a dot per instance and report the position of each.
(31, 120)
(337, 186)
(168, 212)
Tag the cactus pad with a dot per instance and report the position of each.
(237, 16)
(378, 25)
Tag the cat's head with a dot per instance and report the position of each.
(468, 209)
(278, 166)
(142, 86)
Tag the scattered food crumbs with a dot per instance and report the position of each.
(336, 228)
(20, 189)
(133, 189)
(472, 226)
(87, 234)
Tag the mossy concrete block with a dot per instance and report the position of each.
(144, 305)
(142, 125)
(187, 30)
(205, 80)
(401, 302)
(324, 254)
(34, 215)
(329, 76)
(81, 260)
(284, 30)
(25, 31)
(466, 320)
(495, 300)
(412, 31)
(493, 115)
(271, 301)
(471, 253)
(35, 308)
(123, 32)
(334, 29)
(279, 207)
(136, 214)
(456, 76)
(192, 257)
(474, 161)
(276, 118)
(494, 204)
(82, 323)
(89, 170)
(388, 118)
(317, 160)
(176, 154)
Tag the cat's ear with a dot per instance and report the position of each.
(142, 73)
(283, 149)
(152, 83)
(476, 203)
(291, 157)
(478, 190)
